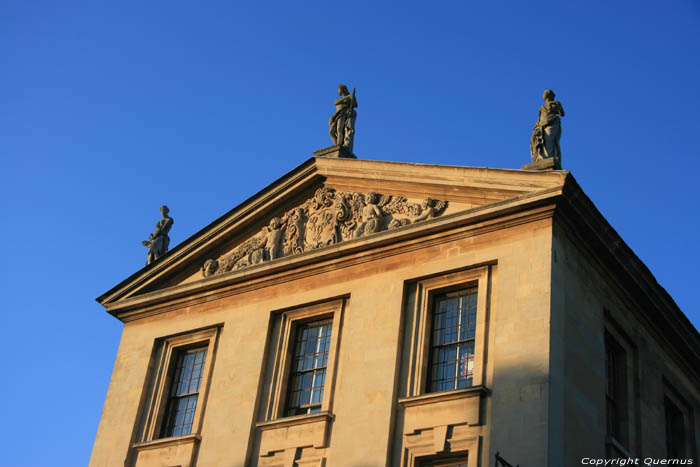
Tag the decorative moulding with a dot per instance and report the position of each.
(282, 438)
(458, 407)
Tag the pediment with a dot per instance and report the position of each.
(326, 202)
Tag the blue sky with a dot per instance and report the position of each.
(110, 109)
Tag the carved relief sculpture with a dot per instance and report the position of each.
(544, 143)
(342, 122)
(159, 241)
(272, 239)
(328, 218)
(371, 216)
(428, 209)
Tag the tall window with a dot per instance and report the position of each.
(452, 341)
(178, 386)
(308, 372)
(184, 392)
(300, 368)
(675, 430)
(615, 395)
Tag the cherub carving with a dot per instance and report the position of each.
(371, 216)
(429, 208)
(273, 237)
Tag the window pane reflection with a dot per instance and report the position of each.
(452, 341)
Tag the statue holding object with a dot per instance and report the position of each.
(342, 122)
(159, 241)
(544, 143)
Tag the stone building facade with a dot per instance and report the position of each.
(360, 313)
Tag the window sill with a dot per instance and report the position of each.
(435, 397)
(295, 420)
(166, 442)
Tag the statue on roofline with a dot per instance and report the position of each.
(342, 122)
(544, 143)
(159, 241)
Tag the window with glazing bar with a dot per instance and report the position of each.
(308, 367)
(675, 430)
(452, 341)
(184, 392)
(615, 393)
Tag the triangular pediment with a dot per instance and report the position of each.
(326, 202)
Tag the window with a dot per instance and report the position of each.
(675, 430)
(445, 332)
(615, 393)
(441, 386)
(296, 403)
(452, 341)
(184, 392)
(621, 375)
(308, 373)
(679, 422)
(299, 378)
(182, 366)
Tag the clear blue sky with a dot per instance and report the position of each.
(110, 109)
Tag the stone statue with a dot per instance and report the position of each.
(158, 241)
(544, 143)
(342, 123)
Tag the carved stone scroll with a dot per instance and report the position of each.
(329, 217)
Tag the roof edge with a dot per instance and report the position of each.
(656, 304)
(161, 262)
